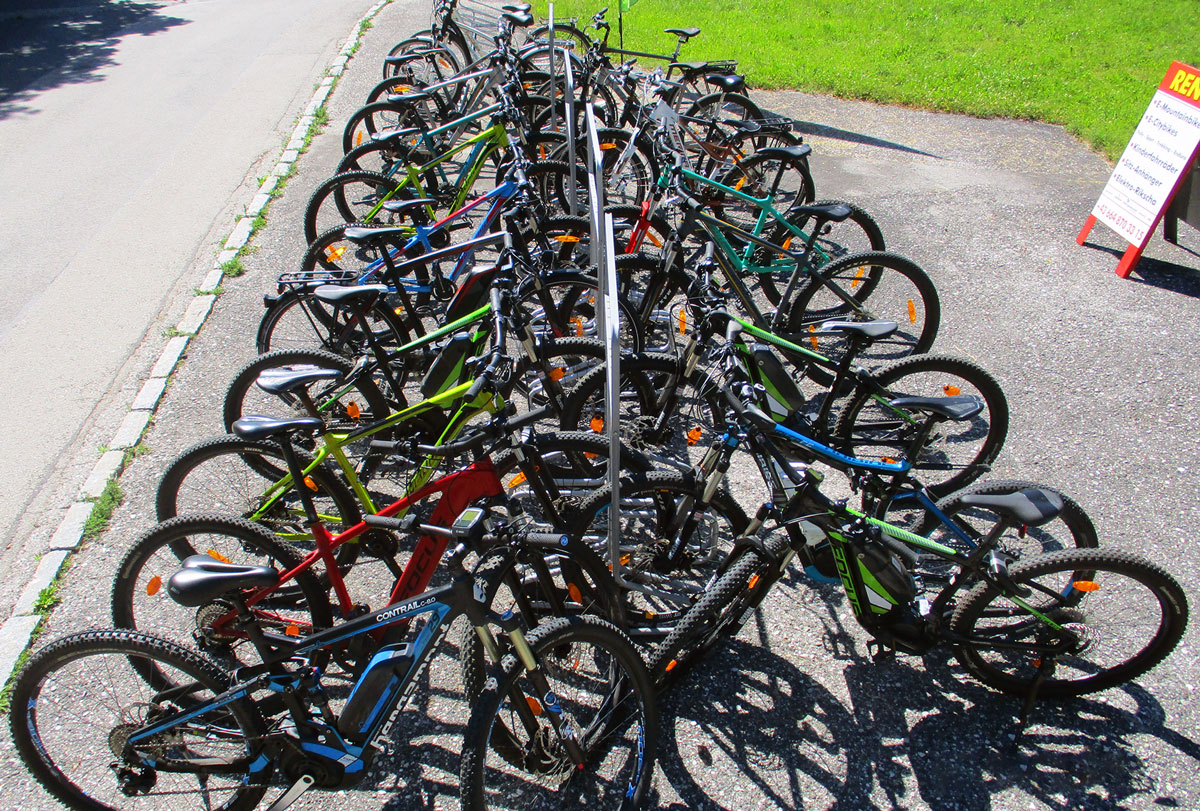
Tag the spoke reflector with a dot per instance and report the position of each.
(558, 373)
(1086, 585)
(671, 665)
(608, 146)
(566, 238)
(353, 411)
(951, 391)
(534, 706)
(154, 585)
(215, 555)
(597, 425)
(753, 583)
(683, 322)
(292, 630)
(310, 484)
(333, 254)
(575, 593)
(516, 480)
(912, 312)
(578, 323)
(693, 436)
(858, 277)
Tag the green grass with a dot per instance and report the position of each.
(1089, 66)
(102, 509)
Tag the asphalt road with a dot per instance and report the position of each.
(131, 134)
(1100, 374)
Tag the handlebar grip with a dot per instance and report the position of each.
(454, 448)
(553, 539)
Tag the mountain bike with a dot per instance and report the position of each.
(108, 716)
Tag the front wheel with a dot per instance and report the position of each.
(867, 287)
(590, 689)
(1078, 635)
(82, 699)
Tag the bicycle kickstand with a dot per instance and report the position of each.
(1045, 669)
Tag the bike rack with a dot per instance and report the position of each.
(478, 20)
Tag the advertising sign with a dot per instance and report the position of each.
(1157, 159)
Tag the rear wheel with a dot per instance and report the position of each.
(82, 698)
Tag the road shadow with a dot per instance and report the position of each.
(906, 732)
(46, 45)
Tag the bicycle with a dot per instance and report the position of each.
(572, 714)
(1028, 628)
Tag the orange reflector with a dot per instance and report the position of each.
(558, 373)
(353, 411)
(951, 391)
(813, 340)
(597, 424)
(534, 706)
(292, 630)
(215, 555)
(693, 436)
(649, 615)
(787, 243)
(588, 455)
(888, 460)
(310, 484)
(608, 146)
(334, 254)
(1086, 585)
(683, 322)
(655, 241)
(912, 312)
(575, 593)
(358, 136)
(857, 278)
(541, 153)
(578, 322)
(444, 63)
(566, 238)
(516, 480)
(738, 186)
(753, 582)
(625, 560)
(154, 585)
(671, 665)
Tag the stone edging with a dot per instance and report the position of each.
(17, 632)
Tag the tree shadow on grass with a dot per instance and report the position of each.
(43, 46)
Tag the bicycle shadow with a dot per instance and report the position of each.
(909, 731)
(838, 134)
(44, 49)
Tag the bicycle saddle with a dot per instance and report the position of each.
(355, 295)
(254, 428)
(362, 234)
(517, 8)
(961, 407)
(865, 329)
(406, 98)
(383, 136)
(729, 84)
(797, 152)
(1031, 507)
(825, 211)
(402, 206)
(683, 33)
(521, 20)
(203, 579)
(281, 381)
(688, 67)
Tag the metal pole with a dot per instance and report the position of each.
(553, 77)
(572, 194)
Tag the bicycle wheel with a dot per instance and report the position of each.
(231, 475)
(785, 180)
(350, 403)
(956, 453)
(721, 612)
(657, 510)
(80, 700)
(377, 117)
(566, 303)
(349, 197)
(594, 684)
(659, 410)
(858, 233)
(1120, 622)
(140, 600)
(299, 320)
(881, 286)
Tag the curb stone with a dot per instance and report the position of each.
(17, 632)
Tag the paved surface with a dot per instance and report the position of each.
(1100, 374)
(131, 135)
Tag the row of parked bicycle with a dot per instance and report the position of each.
(459, 379)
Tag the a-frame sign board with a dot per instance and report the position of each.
(1155, 163)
